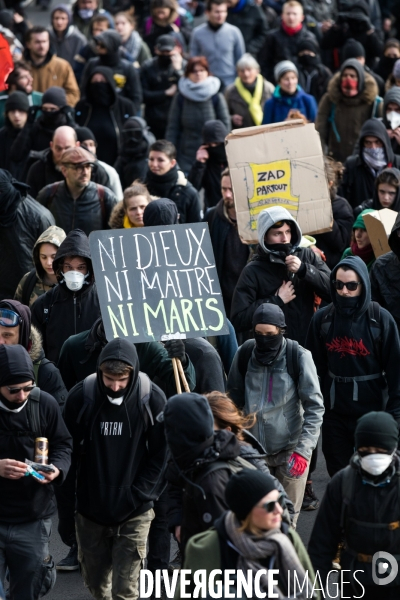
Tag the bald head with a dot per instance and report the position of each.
(64, 137)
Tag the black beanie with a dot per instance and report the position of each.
(188, 423)
(269, 314)
(84, 133)
(15, 365)
(352, 49)
(308, 44)
(55, 95)
(214, 132)
(378, 429)
(245, 489)
(162, 211)
(17, 101)
(25, 313)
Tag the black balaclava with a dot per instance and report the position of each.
(134, 143)
(25, 326)
(306, 60)
(282, 249)
(268, 346)
(101, 93)
(111, 40)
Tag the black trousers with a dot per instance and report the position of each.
(159, 536)
(337, 440)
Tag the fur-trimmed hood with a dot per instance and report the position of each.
(367, 96)
(35, 348)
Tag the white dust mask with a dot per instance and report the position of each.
(74, 280)
(375, 464)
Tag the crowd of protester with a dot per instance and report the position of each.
(114, 116)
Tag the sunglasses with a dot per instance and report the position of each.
(9, 318)
(350, 285)
(269, 507)
(14, 391)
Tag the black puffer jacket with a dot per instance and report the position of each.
(263, 276)
(22, 220)
(334, 243)
(252, 23)
(370, 504)
(385, 276)
(136, 140)
(358, 178)
(86, 212)
(43, 172)
(104, 121)
(68, 312)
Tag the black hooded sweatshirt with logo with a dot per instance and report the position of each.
(358, 179)
(122, 465)
(24, 500)
(349, 350)
(68, 312)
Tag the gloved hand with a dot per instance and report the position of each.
(176, 349)
(297, 465)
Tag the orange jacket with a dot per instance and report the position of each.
(56, 71)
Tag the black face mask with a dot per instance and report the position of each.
(267, 347)
(11, 405)
(164, 61)
(283, 250)
(308, 61)
(217, 153)
(54, 119)
(101, 93)
(347, 305)
(113, 394)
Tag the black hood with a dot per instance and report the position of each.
(375, 199)
(15, 365)
(108, 74)
(356, 264)
(160, 212)
(189, 426)
(358, 67)
(214, 132)
(110, 39)
(394, 239)
(136, 138)
(25, 326)
(11, 194)
(376, 128)
(75, 244)
(124, 351)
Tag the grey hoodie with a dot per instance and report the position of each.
(273, 215)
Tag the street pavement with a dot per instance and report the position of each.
(69, 585)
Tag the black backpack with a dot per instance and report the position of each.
(89, 391)
(292, 358)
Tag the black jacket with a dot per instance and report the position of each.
(68, 312)
(349, 350)
(334, 243)
(252, 22)
(280, 46)
(374, 201)
(315, 81)
(8, 134)
(105, 122)
(179, 191)
(23, 500)
(132, 161)
(207, 175)
(124, 72)
(371, 504)
(121, 470)
(155, 80)
(207, 364)
(88, 212)
(358, 178)
(263, 276)
(385, 276)
(231, 255)
(336, 37)
(43, 172)
(22, 220)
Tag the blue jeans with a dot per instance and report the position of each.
(24, 549)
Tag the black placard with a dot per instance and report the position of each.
(158, 281)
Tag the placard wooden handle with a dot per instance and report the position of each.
(183, 376)
(176, 374)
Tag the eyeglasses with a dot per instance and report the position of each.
(80, 167)
(14, 391)
(351, 286)
(9, 318)
(269, 507)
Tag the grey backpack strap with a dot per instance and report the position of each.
(32, 411)
(145, 393)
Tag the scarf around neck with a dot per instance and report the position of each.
(366, 254)
(133, 45)
(160, 185)
(252, 100)
(253, 550)
(201, 91)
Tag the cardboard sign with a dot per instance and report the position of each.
(379, 224)
(157, 282)
(279, 165)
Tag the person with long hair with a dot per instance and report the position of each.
(129, 212)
